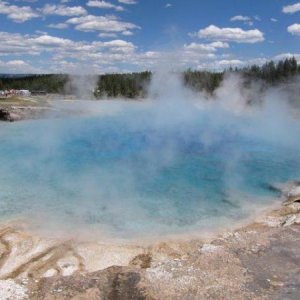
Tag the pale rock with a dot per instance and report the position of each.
(50, 273)
(9, 289)
(295, 192)
(209, 248)
(297, 220)
(289, 220)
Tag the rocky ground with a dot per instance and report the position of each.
(258, 261)
(47, 106)
(22, 108)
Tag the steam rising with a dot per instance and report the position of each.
(174, 163)
(82, 86)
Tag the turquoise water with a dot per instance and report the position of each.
(135, 173)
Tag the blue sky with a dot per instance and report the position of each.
(133, 35)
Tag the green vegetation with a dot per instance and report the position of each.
(50, 83)
(202, 81)
(273, 73)
(134, 85)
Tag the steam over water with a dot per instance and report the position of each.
(172, 165)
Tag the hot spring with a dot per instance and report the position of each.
(145, 169)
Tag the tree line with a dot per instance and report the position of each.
(135, 85)
(49, 83)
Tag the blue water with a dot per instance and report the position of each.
(133, 174)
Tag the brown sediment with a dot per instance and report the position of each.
(7, 249)
(258, 261)
(142, 260)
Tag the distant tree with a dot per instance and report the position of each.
(268, 71)
(294, 65)
(134, 85)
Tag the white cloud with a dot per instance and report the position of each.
(219, 44)
(273, 20)
(101, 23)
(294, 29)
(52, 41)
(59, 26)
(128, 1)
(118, 43)
(119, 46)
(168, 5)
(107, 35)
(17, 66)
(62, 10)
(194, 53)
(29, 1)
(291, 9)
(18, 14)
(97, 56)
(104, 4)
(151, 54)
(237, 35)
(287, 55)
(41, 32)
(256, 61)
(245, 19)
(232, 62)
(15, 44)
(240, 18)
(127, 33)
(62, 49)
(219, 65)
(16, 63)
(212, 47)
(109, 54)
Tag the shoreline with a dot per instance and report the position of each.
(94, 235)
(166, 269)
(50, 106)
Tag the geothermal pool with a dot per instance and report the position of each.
(136, 170)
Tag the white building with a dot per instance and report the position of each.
(24, 93)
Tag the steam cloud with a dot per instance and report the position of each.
(144, 168)
(83, 86)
